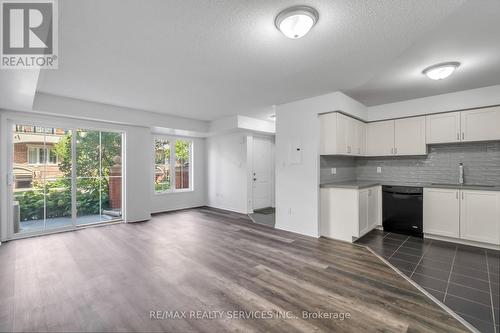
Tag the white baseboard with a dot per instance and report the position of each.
(236, 210)
(463, 241)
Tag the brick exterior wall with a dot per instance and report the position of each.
(20, 153)
(115, 187)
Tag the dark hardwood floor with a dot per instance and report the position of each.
(111, 278)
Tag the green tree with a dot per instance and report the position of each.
(182, 151)
(96, 153)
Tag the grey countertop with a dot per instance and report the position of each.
(362, 184)
(353, 184)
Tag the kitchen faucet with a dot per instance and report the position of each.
(461, 173)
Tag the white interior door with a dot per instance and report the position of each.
(262, 180)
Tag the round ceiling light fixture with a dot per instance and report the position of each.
(295, 22)
(441, 71)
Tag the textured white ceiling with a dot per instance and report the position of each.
(206, 59)
(471, 35)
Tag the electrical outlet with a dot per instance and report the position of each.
(379, 169)
(334, 171)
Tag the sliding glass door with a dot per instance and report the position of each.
(98, 176)
(64, 177)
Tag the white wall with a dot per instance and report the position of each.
(297, 183)
(17, 88)
(70, 107)
(239, 123)
(460, 100)
(163, 202)
(227, 175)
(142, 152)
(256, 125)
(140, 199)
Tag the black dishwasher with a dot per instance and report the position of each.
(402, 209)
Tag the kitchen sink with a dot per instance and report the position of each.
(461, 185)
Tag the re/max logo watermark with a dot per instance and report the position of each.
(29, 34)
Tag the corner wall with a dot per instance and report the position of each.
(227, 175)
(297, 173)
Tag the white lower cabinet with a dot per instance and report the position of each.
(466, 214)
(480, 216)
(441, 212)
(347, 214)
(369, 209)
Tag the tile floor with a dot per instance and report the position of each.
(268, 219)
(465, 278)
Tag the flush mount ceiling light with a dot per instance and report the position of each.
(441, 71)
(295, 22)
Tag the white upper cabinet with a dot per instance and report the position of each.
(328, 133)
(480, 216)
(380, 138)
(360, 148)
(354, 135)
(344, 134)
(481, 124)
(409, 136)
(443, 127)
(341, 134)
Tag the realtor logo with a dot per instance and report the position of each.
(29, 34)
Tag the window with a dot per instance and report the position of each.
(38, 155)
(172, 165)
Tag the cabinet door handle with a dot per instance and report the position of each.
(457, 195)
(392, 151)
(462, 195)
(395, 150)
(458, 136)
(463, 135)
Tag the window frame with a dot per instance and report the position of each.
(47, 150)
(171, 142)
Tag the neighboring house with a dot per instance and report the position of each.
(34, 154)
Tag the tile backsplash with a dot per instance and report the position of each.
(481, 165)
(346, 168)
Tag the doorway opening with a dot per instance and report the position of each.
(263, 181)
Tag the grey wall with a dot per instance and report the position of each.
(481, 165)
